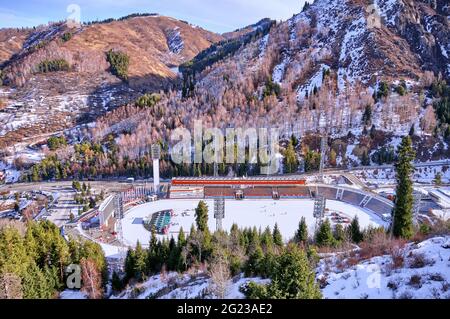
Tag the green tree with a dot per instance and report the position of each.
(119, 62)
(367, 116)
(277, 237)
(438, 179)
(139, 262)
(301, 236)
(291, 278)
(403, 206)
(201, 216)
(339, 233)
(355, 231)
(324, 235)
(291, 161)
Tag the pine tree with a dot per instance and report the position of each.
(129, 264)
(412, 130)
(266, 238)
(438, 179)
(116, 282)
(292, 278)
(324, 236)
(367, 116)
(339, 233)
(201, 216)
(291, 160)
(355, 231)
(277, 237)
(253, 267)
(403, 208)
(181, 238)
(139, 262)
(301, 236)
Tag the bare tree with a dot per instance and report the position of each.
(219, 271)
(91, 279)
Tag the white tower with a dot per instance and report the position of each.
(156, 155)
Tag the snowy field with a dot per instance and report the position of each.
(247, 213)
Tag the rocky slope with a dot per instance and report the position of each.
(323, 68)
(35, 102)
(154, 44)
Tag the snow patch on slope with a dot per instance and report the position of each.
(175, 41)
(352, 59)
(377, 278)
(315, 82)
(389, 10)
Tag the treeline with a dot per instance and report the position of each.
(133, 15)
(34, 258)
(47, 66)
(441, 92)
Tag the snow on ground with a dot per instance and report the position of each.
(353, 49)
(175, 41)
(247, 213)
(388, 10)
(178, 286)
(11, 175)
(279, 70)
(349, 154)
(383, 176)
(315, 82)
(425, 274)
(72, 294)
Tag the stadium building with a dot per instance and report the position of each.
(239, 188)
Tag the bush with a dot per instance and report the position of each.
(55, 142)
(119, 62)
(415, 281)
(66, 36)
(148, 100)
(47, 66)
(383, 91)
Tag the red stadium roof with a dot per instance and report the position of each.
(253, 181)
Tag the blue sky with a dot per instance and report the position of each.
(214, 15)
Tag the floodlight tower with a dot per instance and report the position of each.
(156, 155)
(323, 133)
(319, 200)
(119, 215)
(219, 211)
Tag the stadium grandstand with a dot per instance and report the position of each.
(239, 188)
(274, 188)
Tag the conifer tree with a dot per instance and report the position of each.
(301, 236)
(355, 231)
(139, 262)
(201, 216)
(402, 221)
(291, 278)
(339, 233)
(277, 237)
(324, 235)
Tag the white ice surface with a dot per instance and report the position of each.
(247, 213)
